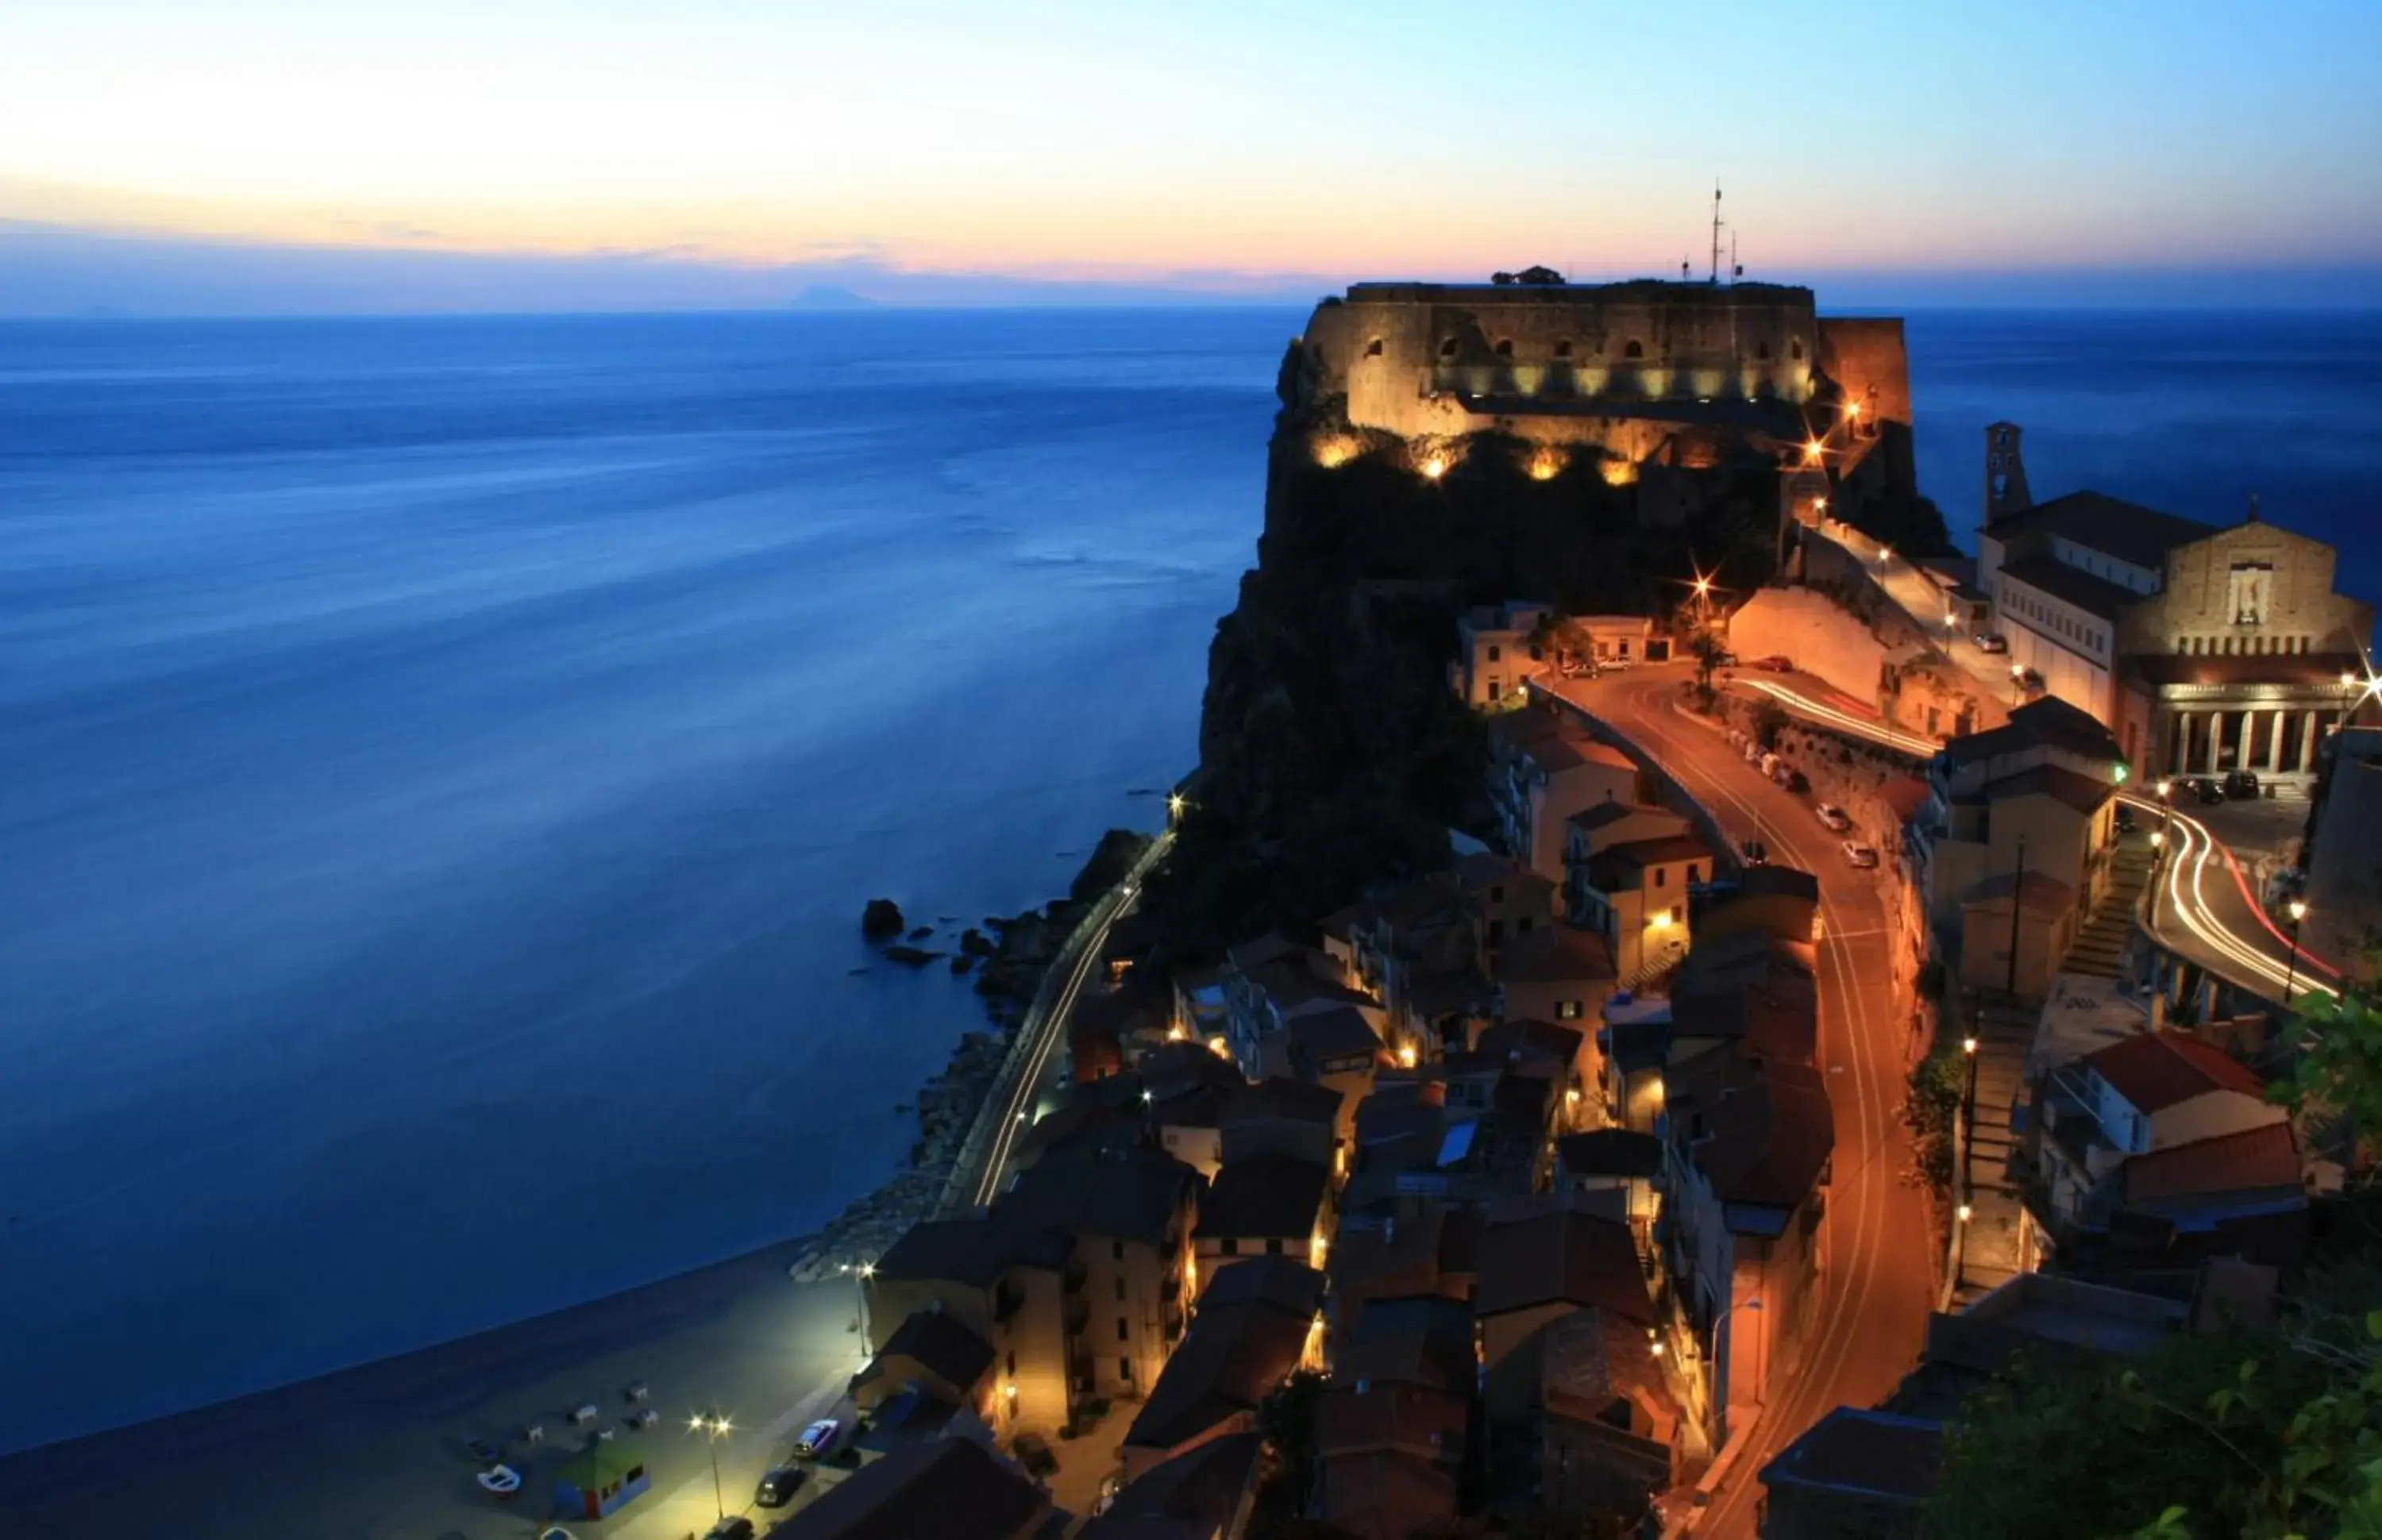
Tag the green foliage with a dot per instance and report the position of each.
(1932, 1108)
(1708, 651)
(1286, 1419)
(2339, 1072)
(1769, 720)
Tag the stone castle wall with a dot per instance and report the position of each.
(1431, 360)
(1866, 356)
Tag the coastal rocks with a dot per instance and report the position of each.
(881, 917)
(974, 943)
(910, 956)
(962, 963)
(920, 933)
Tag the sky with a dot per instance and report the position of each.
(438, 152)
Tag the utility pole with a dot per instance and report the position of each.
(1714, 278)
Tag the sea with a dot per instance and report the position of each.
(443, 761)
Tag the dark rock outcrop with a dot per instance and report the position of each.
(881, 917)
(910, 956)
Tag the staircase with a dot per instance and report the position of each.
(2004, 1034)
(2103, 940)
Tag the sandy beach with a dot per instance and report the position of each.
(377, 1452)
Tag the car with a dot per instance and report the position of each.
(1775, 663)
(1752, 752)
(484, 1452)
(2125, 818)
(1622, 661)
(1860, 855)
(735, 1526)
(1834, 817)
(1769, 764)
(1110, 1484)
(1991, 642)
(501, 1480)
(2243, 786)
(778, 1485)
(817, 1439)
(2208, 792)
(1797, 782)
(1753, 852)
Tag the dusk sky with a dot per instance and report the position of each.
(1244, 149)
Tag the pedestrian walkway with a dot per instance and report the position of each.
(1991, 1252)
(2100, 947)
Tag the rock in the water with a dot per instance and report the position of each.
(881, 917)
(922, 932)
(975, 943)
(962, 963)
(915, 957)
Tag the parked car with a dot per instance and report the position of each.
(1860, 855)
(1752, 752)
(733, 1527)
(817, 1439)
(1769, 763)
(1754, 852)
(1991, 642)
(1621, 660)
(1796, 782)
(2125, 818)
(2243, 786)
(2208, 792)
(777, 1487)
(1110, 1484)
(1834, 817)
(1775, 664)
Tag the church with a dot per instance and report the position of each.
(2205, 649)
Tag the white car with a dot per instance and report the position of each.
(1860, 855)
(1836, 819)
(1991, 642)
(817, 1438)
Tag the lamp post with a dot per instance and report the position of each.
(714, 1429)
(2018, 684)
(1967, 1150)
(2297, 910)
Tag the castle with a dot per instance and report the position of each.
(1648, 372)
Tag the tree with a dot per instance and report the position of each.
(1769, 721)
(2338, 1071)
(1286, 1419)
(1708, 650)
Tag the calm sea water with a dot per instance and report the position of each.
(442, 762)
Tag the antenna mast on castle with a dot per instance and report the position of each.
(1714, 278)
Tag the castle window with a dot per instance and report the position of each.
(1447, 348)
(1635, 350)
(1563, 347)
(1505, 348)
(1762, 351)
(1794, 349)
(1373, 349)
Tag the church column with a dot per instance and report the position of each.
(2275, 745)
(2215, 740)
(2179, 758)
(2307, 742)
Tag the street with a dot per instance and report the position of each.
(1877, 1282)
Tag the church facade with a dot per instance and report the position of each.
(2205, 649)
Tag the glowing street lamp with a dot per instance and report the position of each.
(713, 1428)
(2297, 910)
(1174, 806)
(1434, 468)
(1811, 448)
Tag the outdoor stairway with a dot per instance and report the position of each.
(2004, 1035)
(2102, 942)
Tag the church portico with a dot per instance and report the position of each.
(2274, 729)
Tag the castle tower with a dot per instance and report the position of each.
(2006, 490)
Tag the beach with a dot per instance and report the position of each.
(377, 1452)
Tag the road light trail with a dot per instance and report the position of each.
(1845, 721)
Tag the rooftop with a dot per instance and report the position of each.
(2039, 892)
(2072, 585)
(1640, 291)
(973, 1250)
(1197, 1494)
(1544, 1252)
(1769, 1128)
(1269, 1196)
(2082, 792)
(1339, 1033)
(2048, 722)
(2160, 1069)
(2259, 1159)
(948, 1489)
(1609, 1152)
(1122, 1195)
(1556, 954)
(1277, 1097)
(938, 1343)
(1417, 1339)
(2136, 535)
(1233, 1355)
(1875, 1454)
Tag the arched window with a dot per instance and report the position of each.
(1563, 347)
(1762, 351)
(1447, 348)
(1635, 350)
(1373, 349)
(1505, 347)
(1794, 349)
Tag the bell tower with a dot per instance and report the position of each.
(2006, 492)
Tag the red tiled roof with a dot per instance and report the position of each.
(2157, 1069)
(1559, 1254)
(2266, 1157)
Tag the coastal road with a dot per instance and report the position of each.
(1046, 1026)
(1877, 1274)
(2204, 907)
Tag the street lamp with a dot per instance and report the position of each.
(1174, 806)
(2297, 910)
(1968, 1148)
(714, 1429)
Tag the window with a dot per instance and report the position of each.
(1566, 1010)
(1373, 349)
(1125, 1370)
(1116, 1251)
(1494, 688)
(1563, 347)
(1447, 348)
(1495, 651)
(1124, 1333)
(1661, 877)
(1522, 926)
(1675, 914)
(1762, 351)
(1695, 874)
(1505, 347)
(1497, 893)
(1120, 1290)
(1635, 350)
